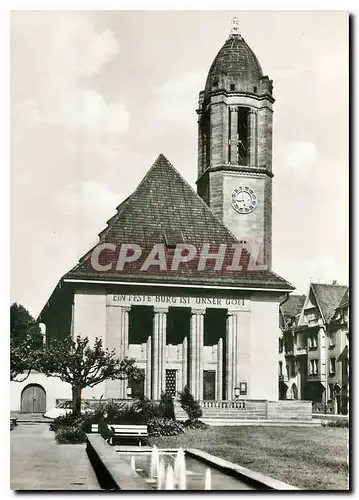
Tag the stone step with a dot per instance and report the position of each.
(265, 422)
(236, 414)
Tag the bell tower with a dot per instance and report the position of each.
(235, 145)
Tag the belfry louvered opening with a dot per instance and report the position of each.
(238, 135)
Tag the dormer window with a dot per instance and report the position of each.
(171, 238)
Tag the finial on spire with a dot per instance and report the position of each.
(235, 33)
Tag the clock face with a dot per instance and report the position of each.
(244, 199)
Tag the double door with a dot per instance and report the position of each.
(33, 399)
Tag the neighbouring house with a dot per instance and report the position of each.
(314, 347)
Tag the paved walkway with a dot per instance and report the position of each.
(39, 463)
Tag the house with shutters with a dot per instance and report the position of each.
(314, 347)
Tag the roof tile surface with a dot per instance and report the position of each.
(165, 209)
(328, 298)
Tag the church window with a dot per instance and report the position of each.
(232, 86)
(242, 136)
(255, 89)
(332, 366)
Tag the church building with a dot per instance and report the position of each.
(181, 280)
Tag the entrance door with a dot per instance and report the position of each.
(138, 387)
(171, 382)
(33, 399)
(209, 385)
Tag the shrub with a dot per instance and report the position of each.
(189, 405)
(148, 409)
(195, 424)
(130, 413)
(166, 406)
(68, 420)
(344, 423)
(70, 434)
(164, 427)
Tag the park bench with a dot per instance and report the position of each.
(129, 431)
(125, 431)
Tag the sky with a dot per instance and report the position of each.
(96, 96)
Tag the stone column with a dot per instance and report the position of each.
(234, 137)
(229, 357)
(124, 344)
(219, 370)
(148, 368)
(184, 362)
(158, 346)
(196, 353)
(232, 354)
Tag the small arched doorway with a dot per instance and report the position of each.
(33, 399)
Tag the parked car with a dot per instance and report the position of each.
(60, 410)
(64, 408)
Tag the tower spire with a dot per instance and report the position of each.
(235, 33)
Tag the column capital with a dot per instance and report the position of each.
(231, 312)
(126, 308)
(160, 309)
(197, 311)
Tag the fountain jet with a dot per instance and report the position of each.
(208, 480)
(155, 462)
(133, 463)
(161, 476)
(180, 470)
(170, 482)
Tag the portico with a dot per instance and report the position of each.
(206, 339)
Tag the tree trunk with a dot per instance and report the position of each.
(76, 400)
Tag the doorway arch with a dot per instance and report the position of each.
(33, 399)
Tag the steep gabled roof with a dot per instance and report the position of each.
(165, 209)
(328, 298)
(345, 300)
(293, 305)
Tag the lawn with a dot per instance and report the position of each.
(313, 458)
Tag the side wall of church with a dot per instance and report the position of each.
(90, 321)
(264, 348)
